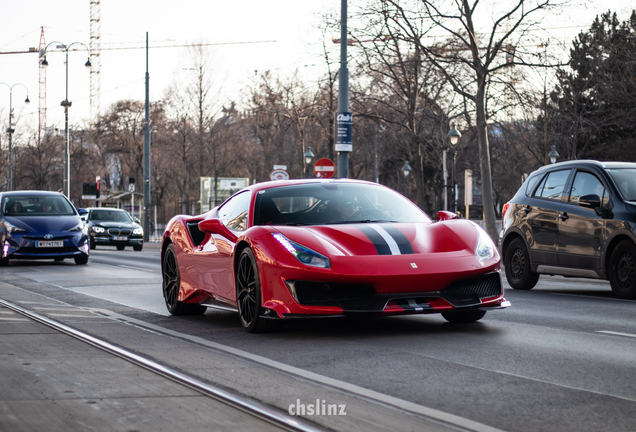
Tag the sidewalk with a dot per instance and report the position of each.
(50, 381)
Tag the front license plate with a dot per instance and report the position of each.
(120, 238)
(57, 243)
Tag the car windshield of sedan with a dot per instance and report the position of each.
(110, 216)
(36, 205)
(625, 179)
(332, 203)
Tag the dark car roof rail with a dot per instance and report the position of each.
(600, 164)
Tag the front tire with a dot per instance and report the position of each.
(92, 244)
(248, 295)
(459, 316)
(121, 247)
(622, 271)
(172, 284)
(138, 248)
(81, 260)
(518, 270)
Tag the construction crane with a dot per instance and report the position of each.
(95, 53)
(42, 88)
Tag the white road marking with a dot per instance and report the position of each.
(615, 333)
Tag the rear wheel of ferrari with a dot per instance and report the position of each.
(622, 271)
(517, 262)
(248, 295)
(456, 316)
(171, 285)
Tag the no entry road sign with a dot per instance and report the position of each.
(324, 168)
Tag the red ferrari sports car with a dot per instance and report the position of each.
(316, 248)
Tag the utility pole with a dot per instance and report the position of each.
(147, 154)
(343, 124)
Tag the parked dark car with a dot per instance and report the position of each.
(41, 225)
(576, 219)
(112, 227)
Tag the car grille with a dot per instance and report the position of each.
(469, 291)
(333, 294)
(117, 231)
(30, 237)
(47, 250)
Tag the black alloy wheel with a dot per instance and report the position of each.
(622, 271)
(248, 295)
(171, 286)
(517, 263)
(459, 316)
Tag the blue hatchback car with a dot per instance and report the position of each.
(41, 225)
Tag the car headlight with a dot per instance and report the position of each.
(98, 230)
(485, 249)
(303, 254)
(12, 228)
(138, 231)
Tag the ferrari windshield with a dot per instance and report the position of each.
(625, 179)
(36, 205)
(333, 203)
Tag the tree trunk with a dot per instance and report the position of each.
(484, 161)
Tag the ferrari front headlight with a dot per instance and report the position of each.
(485, 249)
(302, 253)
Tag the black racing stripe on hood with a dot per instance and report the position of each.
(400, 239)
(380, 244)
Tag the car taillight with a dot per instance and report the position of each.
(505, 209)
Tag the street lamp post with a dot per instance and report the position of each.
(454, 135)
(66, 104)
(10, 129)
(309, 155)
(553, 155)
(406, 169)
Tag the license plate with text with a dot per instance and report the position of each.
(55, 243)
(120, 238)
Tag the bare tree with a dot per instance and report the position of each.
(482, 54)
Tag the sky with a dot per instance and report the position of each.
(250, 36)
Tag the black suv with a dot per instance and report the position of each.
(577, 219)
(112, 227)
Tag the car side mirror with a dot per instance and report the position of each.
(444, 215)
(591, 201)
(215, 226)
